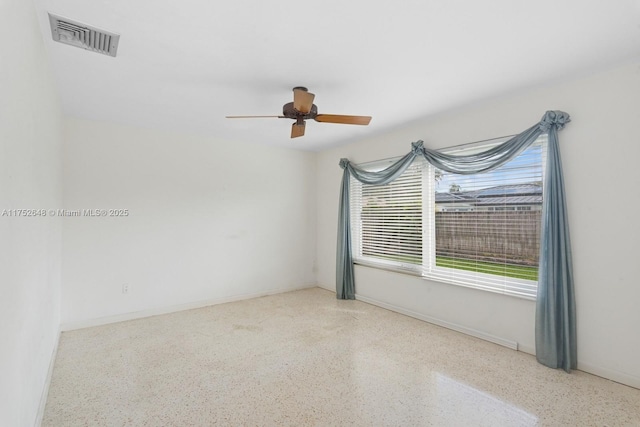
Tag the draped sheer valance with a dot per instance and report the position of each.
(555, 306)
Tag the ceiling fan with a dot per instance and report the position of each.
(302, 108)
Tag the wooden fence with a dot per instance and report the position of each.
(489, 235)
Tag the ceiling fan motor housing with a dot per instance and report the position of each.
(291, 113)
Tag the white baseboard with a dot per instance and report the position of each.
(610, 374)
(527, 349)
(47, 382)
(463, 329)
(328, 288)
(70, 326)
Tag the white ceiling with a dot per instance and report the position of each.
(184, 65)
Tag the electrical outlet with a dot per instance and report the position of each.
(125, 288)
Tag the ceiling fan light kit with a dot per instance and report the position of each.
(302, 108)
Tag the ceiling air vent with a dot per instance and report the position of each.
(84, 36)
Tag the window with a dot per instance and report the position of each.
(480, 231)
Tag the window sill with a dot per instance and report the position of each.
(439, 279)
(388, 267)
(493, 290)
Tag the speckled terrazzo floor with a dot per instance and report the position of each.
(304, 358)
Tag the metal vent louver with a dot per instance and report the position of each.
(84, 36)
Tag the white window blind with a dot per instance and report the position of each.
(388, 219)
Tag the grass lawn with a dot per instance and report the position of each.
(516, 271)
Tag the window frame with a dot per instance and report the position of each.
(521, 288)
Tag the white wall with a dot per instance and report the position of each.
(600, 150)
(30, 178)
(209, 220)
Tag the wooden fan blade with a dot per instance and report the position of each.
(302, 100)
(345, 120)
(254, 117)
(297, 130)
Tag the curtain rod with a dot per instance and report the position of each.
(447, 148)
(483, 140)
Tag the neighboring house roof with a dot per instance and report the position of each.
(451, 198)
(512, 194)
(509, 200)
